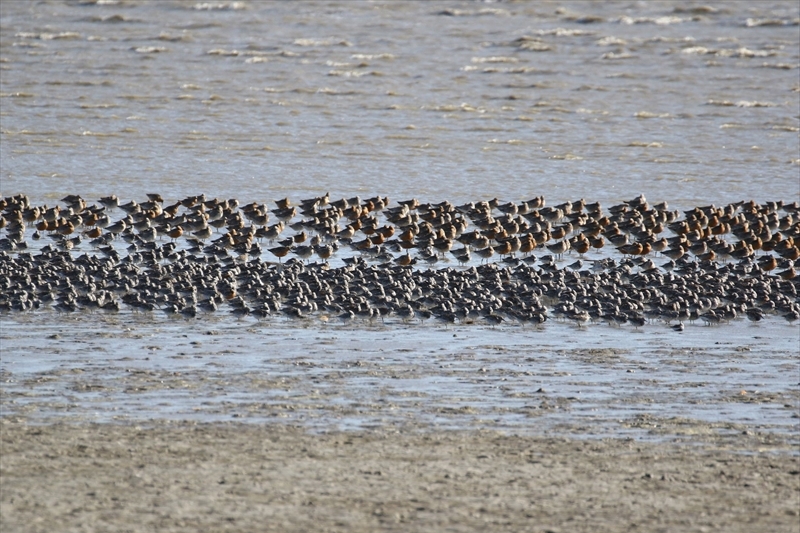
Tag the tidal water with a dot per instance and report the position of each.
(444, 100)
(683, 102)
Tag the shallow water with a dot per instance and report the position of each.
(457, 101)
(452, 100)
(595, 381)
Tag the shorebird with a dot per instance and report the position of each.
(204, 232)
(673, 253)
(711, 318)
(527, 244)
(580, 244)
(792, 316)
(559, 248)
(637, 320)
(240, 312)
(493, 319)
(406, 313)
(346, 317)
(479, 242)
(258, 218)
(303, 252)
(324, 251)
(485, 253)
(405, 260)
(174, 233)
(93, 233)
(579, 317)
(631, 249)
(148, 234)
(280, 251)
(271, 233)
(347, 233)
(110, 201)
(285, 214)
(768, 263)
(443, 245)
(754, 314)
(559, 232)
(463, 256)
(788, 274)
(503, 248)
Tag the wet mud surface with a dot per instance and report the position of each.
(269, 477)
(136, 422)
(593, 381)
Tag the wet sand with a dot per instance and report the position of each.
(153, 424)
(243, 477)
(328, 377)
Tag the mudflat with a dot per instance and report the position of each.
(273, 477)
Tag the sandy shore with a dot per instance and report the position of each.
(240, 477)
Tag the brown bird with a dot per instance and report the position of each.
(580, 244)
(792, 253)
(175, 232)
(503, 248)
(484, 253)
(280, 251)
(405, 260)
(528, 244)
(660, 245)
(65, 228)
(443, 245)
(768, 263)
(93, 233)
(631, 249)
(673, 253)
(386, 231)
(788, 274)
(560, 232)
(409, 234)
(324, 252)
(708, 256)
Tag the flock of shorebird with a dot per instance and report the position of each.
(366, 260)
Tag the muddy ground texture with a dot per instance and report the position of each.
(247, 477)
